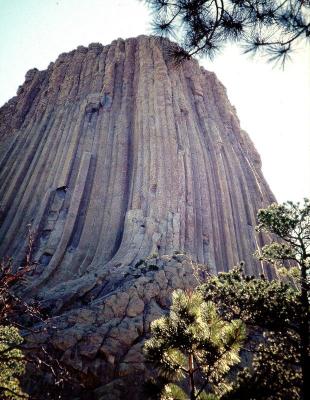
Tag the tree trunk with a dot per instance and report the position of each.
(304, 335)
(191, 377)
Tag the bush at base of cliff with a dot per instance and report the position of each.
(193, 348)
(21, 366)
(12, 363)
(271, 311)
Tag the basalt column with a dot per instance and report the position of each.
(114, 154)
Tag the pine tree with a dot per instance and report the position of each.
(271, 310)
(289, 223)
(204, 26)
(12, 364)
(193, 348)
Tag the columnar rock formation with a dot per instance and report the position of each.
(113, 154)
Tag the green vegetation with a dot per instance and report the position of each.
(12, 360)
(274, 28)
(276, 314)
(194, 347)
(290, 224)
(12, 363)
(15, 316)
(271, 312)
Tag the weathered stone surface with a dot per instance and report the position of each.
(105, 339)
(113, 154)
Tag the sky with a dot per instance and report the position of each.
(273, 105)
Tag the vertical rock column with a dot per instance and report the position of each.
(122, 163)
(114, 153)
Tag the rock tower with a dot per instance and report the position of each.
(114, 155)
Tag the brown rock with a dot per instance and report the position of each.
(135, 306)
(115, 155)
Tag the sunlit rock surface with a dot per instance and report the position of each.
(114, 154)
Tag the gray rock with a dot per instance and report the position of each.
(115, 155)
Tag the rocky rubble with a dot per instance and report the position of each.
(103, 338)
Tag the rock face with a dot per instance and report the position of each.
(113, 154)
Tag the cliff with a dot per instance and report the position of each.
(114, 155)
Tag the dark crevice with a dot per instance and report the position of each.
(82, 212)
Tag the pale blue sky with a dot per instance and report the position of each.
(273, 106)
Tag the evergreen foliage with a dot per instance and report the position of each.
(273, 373)
(12, 360)
(12, 364)
(289, 223)
(271, 311)
(276, 314)
(273, 27)
(272, 305)
(19, 317)
(193, 348)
